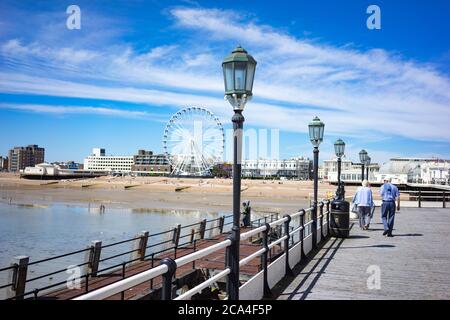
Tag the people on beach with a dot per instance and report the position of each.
(389, 193)
(363, 198)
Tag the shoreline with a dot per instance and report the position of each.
(161, 193)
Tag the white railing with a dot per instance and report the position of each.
(137, 279)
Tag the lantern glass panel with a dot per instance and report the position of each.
(240, 72)
(250, 76)
(228, 76)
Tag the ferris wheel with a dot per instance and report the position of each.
(193, 141)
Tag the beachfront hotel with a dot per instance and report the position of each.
(295, 168)
(144, 163)
(22, 157)
(99, 161)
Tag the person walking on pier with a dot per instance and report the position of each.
(389, 194)
(363, 198)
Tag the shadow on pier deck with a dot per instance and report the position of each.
(212, 262)
(414, 264)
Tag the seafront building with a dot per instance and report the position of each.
(295, 168)
(3, 163)
(145, 163)
(22, 157)
(350, 172)
(400, 170)
(416, 170)
(99, 161)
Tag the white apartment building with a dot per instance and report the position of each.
(415, 170)
(350, 172)
(98, 161)
(297, 168)
(430, 173)
(330, 166)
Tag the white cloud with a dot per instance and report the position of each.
(64, 110)
(367, 94)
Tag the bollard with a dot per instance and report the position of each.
(264, 261)
(140, 246)
(288, 270)
(18, 277)
(167, 278)
(176, 238)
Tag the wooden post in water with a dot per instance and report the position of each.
(140, 246)
(18, 277)
(94, 257)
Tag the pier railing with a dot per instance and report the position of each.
(296, 242)
(145, 247)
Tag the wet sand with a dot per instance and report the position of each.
(161, 193)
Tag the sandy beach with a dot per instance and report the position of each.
(161, 192)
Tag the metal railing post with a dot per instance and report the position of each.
(288, 270)
(167, 278)
(328, 217)
(420, 199)
(321, 220)
(265, 261)
(232, 262)
(18, 277)
(302, 233)
(176, 238)
(122, 294)
(221, 224)
(94, 257)
(443, 200)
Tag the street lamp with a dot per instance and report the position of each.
(367, 167)
(316, 128)
(238, 74)
(339, 148)
(363, 158)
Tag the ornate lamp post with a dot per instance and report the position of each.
(363, 158)
(367, 167)
(339, 148)
(238, 73)
(316, 128)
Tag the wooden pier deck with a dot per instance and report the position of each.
(214, 261)
(414, 264)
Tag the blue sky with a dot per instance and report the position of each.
(115, 82)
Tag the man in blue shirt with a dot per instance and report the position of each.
(389, 193)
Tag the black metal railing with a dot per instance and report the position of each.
(289, 225)
(111, 266)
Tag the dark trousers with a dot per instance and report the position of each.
(388, 215)
(364, 216)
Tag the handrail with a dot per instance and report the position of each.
(124, 284)
(139, 278)
(127, 283)
(203, 285)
